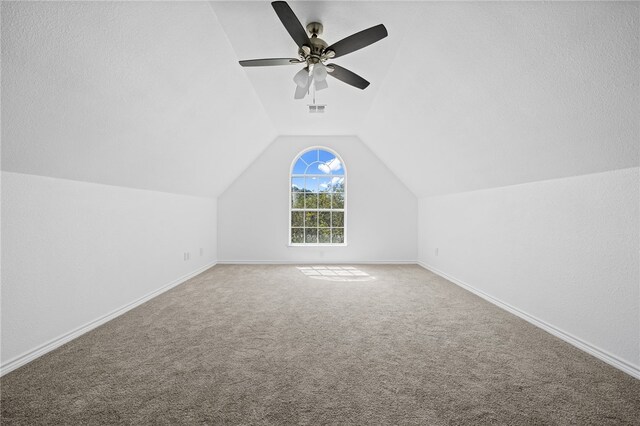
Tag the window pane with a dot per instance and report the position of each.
(299, 167)
(311, 219)
(324, 219)
(338, 201)
(297, 235)
(311, 201)
(297, 200)
(335, 166)
(324, 236)
(311, 184)
(297, 218)
(338, 184)
(324, 184)
(311, 156)
(338, 219)
(337, 236)
(297, 184)
(311, 235)
(331, 167)
(325, 156)
(318, 169)
(324, 200)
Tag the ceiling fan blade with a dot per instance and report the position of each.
(269, 62)
(291, 23)
(348, 77)
(358, 40)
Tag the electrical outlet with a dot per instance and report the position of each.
(201, 251)
(436, 251)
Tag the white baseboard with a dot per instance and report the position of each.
(29, 356)
(601, 354)
(316, 262)
(567, 337)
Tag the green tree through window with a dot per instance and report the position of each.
(318, 198)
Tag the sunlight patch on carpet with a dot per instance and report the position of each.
(335, 273)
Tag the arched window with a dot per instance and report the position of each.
(317, 199)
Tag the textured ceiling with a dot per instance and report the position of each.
(255, 31)
(508, 93)
(138, 94)
(463, 95)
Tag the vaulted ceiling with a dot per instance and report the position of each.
(503, 93)
(255, 31)
(139, 94)
(463, 96)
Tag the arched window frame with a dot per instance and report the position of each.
(345, 196)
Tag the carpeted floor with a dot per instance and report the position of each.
(271, 345)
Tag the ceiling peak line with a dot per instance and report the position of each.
(253, 89)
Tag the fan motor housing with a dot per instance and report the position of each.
(317, 44)
(317, 48)
(315, 28)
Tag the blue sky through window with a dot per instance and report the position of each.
(317, 204)
(311, 184)
(318, 162)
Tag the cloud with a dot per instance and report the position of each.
(332, 165)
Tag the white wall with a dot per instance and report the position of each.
(73, 252)
(253, 216)
(564, 252)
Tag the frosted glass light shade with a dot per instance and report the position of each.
(302, 78)
(320, 85)
(319, 72)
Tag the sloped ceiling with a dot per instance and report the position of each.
(144, 95)
(255, 32)
(463, 95)
(495, 94)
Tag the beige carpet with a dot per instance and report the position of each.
(271, 345)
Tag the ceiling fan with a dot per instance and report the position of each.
(314, 52)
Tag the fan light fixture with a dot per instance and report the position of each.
(319, 72)
(320, 85)
(302, 78)
(314, 52)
